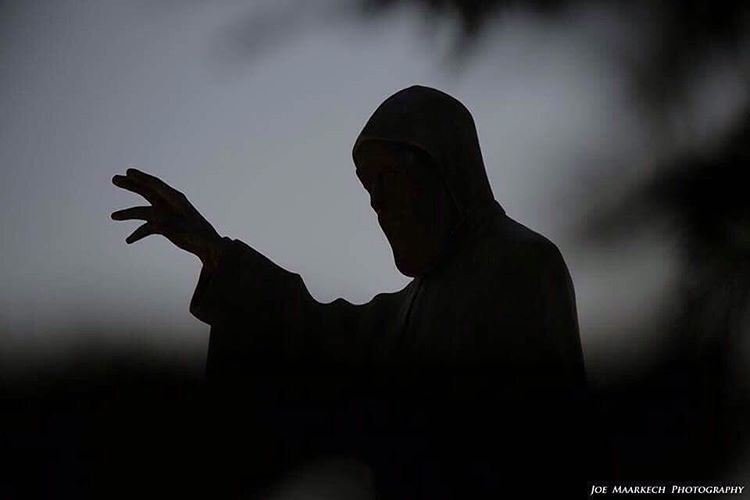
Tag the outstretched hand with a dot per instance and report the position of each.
(170, 214)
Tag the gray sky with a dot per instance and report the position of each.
(260, 141)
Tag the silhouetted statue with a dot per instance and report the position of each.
(467, 383)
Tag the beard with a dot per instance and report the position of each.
(414, 250)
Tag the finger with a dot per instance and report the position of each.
(133, 186)
(145, 230)
(155, 184)
(134, 213)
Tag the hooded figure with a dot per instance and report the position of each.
(458, 385)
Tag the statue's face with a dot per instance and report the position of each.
(413, 205)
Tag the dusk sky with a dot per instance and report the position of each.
(256, 128)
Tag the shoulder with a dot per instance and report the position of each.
(518, 244)
(380, 300)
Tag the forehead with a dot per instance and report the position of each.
(370, 153)
(376, 155)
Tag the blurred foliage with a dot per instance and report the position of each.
(687, 31)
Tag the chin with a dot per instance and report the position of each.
(408, 267)
(409, 255)
(406, 271)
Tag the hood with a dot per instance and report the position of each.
(441, 126)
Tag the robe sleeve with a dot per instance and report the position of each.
(280, 364)
(262, 317)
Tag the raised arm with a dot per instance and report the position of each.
(257, 310)
(169, 214)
